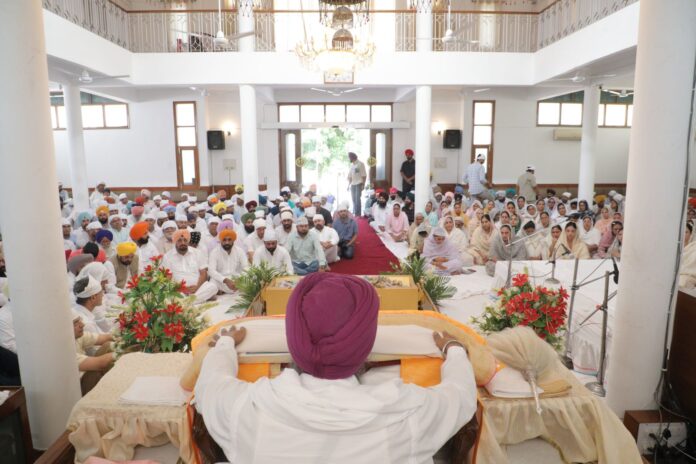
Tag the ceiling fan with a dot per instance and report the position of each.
(336, 93)
(450, 34)
(623, 93)
(86, 78)
(220, 40)
(580, 78)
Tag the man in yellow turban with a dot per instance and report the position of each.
(219, 209)
(125, 262)
(103, 216)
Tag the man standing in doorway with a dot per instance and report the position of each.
(408, 173)
(475, 176)
(356, 181)
(527, 185)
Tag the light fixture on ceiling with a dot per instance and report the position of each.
(344, 14)
(341, 54)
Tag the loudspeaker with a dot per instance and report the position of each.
(216, 140)
(452, 139)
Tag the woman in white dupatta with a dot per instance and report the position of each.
(459, 239)
(590, 235)
(480, 241)
(440, 254)
(570, 241)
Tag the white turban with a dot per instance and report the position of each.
(260, 222)
(166, 194)
(123, 196)
(214, 220)
(270, 236)
(94, 269)
(93, 287)
(94, 226)
(286, 215)
(225, 217)
(310, 211)
(259, 214)
(65, 221)
(157, 197)
(169, 225)
(181, 217)
(162, 215)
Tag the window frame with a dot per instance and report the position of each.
(178, 148)
(490, 147)
(54, 108)
(604, 120)
(560, 114)
(345, 106)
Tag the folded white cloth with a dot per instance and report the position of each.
(155, 391)
(4, 395)
(509, 383)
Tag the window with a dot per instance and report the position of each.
(615, 110)
(97, 112)
(186, 144)
(482, 140)
(334, 113)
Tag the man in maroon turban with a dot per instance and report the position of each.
(325, 414)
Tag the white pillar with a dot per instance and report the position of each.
(32, 242)
(656, 170)
(76, 147)
(246, 23)
(250, 164)
(424, 93)
(588, 145)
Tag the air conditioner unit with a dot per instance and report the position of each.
(567, 133)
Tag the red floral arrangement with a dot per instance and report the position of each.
(542, 309)
(157, 317)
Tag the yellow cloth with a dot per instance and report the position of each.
(126, 248)
(100, 426)
(103, 209)
(579, 424)
(219, 207)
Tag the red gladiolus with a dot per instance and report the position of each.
(141, 332)
(173, 308)
(182, 286)
(175, 331)
(167, 273)
(519, 280)
(122, 321)
(148, 268)
(142, 317)
(133, 282)
(155, 259)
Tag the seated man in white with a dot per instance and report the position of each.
(226, 262)
(379, 213)
(286, 227)
(324, 414)
(274, 254)
(328, 238)
(189, 265)
(255, 240)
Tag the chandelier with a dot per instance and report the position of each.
(344, 14)
(340, 55)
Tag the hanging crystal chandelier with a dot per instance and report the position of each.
(341, 54)
(355, 12)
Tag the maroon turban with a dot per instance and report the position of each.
(331, 324)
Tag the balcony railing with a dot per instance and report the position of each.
(193, 30)
(99, 16)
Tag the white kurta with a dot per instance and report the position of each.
(280, 259)
(188, 267)
(223, 265)
(146, 252)
(282, 235)
(299, 419)
(95, 320)
(328, 234)
(252, 243)
(7, 334)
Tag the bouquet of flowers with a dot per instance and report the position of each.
(157, 317)
(540, 308)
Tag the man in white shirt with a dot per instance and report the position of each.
(356, 181)
(475, 176)
(146, 249)
(273, 254)
(90, 296)
(119, 232)
(324, 414)
(286, 227)
(226, 262)
(68, 244)
(328, 239)
(255, 240)
(97, 195)
(379, 213)
(189, 265)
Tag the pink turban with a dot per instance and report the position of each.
(137, 210)
(225, 225)
(331, 324)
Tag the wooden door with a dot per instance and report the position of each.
(291, 159)
(380, 161)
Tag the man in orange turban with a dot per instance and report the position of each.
(227, 261)
(140, 234)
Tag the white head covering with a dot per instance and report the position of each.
(310, 211)
(192, 198)
(94, 269)
(302, 221)
(285, 189)
(259, 214)
(169, 225)
(180, 217)
(65, 222)
(95, 225)
(343, 207)
(122, 217)
(225, 217)
(318, 217)
(259, 222)
(123, 196)
(162, 215)
(93, 287)
(214, 220)
(157, 197)
(286, 215)
(270, 236)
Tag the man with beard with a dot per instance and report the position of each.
(116, 228)
(319, 209)
(171, 212)
(247, 228)
(79, 234)
(68, 244)
(286, 227)
(273, 254)
(328, 239)
(379, 213)
(154, 229)
(189, 266)
(103, 216)
(408, 172)
(92, 229)
(356, 181)
(305, 250)
(161, 217)
(146, 249)
(255, 240)
(394, 197)
(407, 207)
(125, 263)
(210, 237)
(97, 195)
(226, 262)
(181, 221)
(165, 243)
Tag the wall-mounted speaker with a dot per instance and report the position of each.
(452, 138)
(216, 140)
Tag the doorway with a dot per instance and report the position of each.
(320, 157)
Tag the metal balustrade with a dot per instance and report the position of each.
(179, 31)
